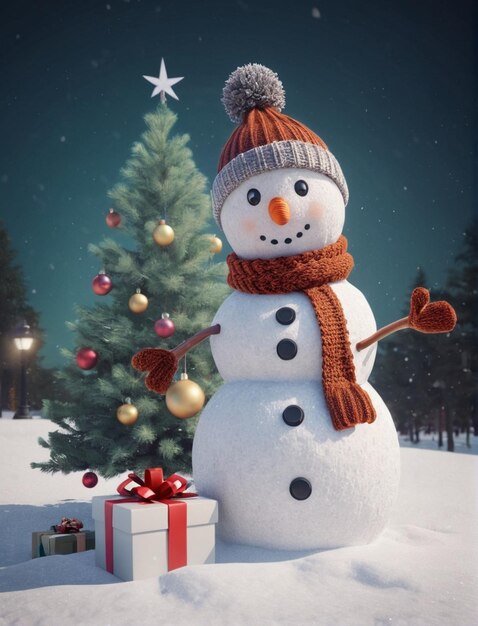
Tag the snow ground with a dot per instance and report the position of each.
(423, 570)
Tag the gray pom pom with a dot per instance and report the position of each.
(252, 86)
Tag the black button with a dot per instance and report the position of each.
(293, 415)
(286, 349)
(300, 488)
(285, 316)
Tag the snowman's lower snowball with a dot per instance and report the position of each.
(353, 474)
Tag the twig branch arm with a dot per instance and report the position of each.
(383, 332)
(183, 348)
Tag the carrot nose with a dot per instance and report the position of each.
(279, 211)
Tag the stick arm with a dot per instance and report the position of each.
(383, 332)
(183, 348)
(424, 316)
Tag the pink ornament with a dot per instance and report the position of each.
(102, 284)
(86, 358)
(89, 480)
(165, 326)
(113, 219)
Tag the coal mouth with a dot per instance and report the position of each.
(287, 240)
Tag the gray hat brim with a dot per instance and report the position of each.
(273, 156)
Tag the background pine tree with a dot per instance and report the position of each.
(160, 180)
(460, 355)
(14, 307)
(405, 373)
(429, 381)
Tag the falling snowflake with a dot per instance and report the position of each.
(315, 13)
(63, 139)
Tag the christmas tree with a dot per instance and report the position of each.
(174, 273)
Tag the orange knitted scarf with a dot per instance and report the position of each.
(311, 272)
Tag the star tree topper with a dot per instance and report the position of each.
(163, 84)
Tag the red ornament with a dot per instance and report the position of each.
(113, 219)
(86, 358)
(89, 480)
(165, 326)
(102, 284)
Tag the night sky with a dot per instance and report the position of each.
(387, 85)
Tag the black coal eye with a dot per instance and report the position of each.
(301, 188)
(253, 197)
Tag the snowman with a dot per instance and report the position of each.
(297, 447)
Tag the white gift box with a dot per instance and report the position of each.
(140, 535)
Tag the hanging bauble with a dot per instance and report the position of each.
(163, 234)
(164, 327)
(90, 480)
(138, 303)
(113, 219)
(127, 413)
(86, 358)
(216, 244)
(185, 398)
(102, 284)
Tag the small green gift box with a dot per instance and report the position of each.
(48, 542)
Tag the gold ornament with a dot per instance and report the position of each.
(163, 234)
(138, 303)
(185, 398)
(216, 244)
(127, 413)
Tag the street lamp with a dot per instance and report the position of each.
(23, 341)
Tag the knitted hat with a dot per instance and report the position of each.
(265, 139)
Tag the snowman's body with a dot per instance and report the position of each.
(246, 348)
(246, 455)
(265, 446)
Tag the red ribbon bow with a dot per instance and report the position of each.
(68, 525)
(154, 487)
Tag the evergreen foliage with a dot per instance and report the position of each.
(14, 308)
(160, 180)
(462, 355)
(405, 373)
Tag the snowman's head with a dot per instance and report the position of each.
(283, 212)
(279, 190)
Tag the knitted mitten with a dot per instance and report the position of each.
(161, 365)
(430, 317)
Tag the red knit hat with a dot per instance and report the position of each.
(262, 126)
